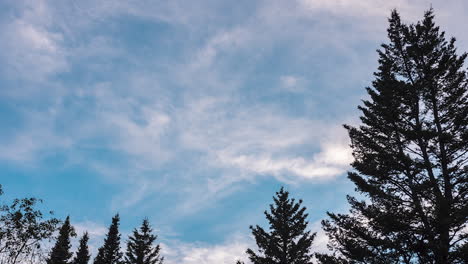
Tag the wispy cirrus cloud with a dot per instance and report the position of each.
(263, 141)
(150, 130)
(182, 105)
(35, 49)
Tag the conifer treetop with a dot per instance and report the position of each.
(287, 241)
(410, 155)
(110, 252)
(82, 255)
(60, 253)
(141, 248)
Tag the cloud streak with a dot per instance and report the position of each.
(178, 103)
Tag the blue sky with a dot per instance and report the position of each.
(191, 113)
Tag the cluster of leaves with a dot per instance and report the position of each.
(23, 230)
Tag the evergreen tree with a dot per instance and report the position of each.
(287, 242)
(110, 253)
(410, 156)
(140, 248)
(60, 253)
(82, 255)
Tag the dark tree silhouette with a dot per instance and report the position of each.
(60, 253)
(288, 242)
(411, 156)
(110, 253)
(140, 248)
(82, 255)
(23, 229)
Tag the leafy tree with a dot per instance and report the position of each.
(82, 255)
(140, 248)
(411, 156)
(60, 253)
(110, 253)
(288, 242)
(23, 229)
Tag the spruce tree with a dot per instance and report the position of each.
(287, 242)
(82, 255)
(110, 253)
(60, 253)
(140, 248)
(410, 156)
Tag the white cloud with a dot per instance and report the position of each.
(174, 251)
(211, 120)
(96, 233)
(231, 250)
(321, 239)
(34, 51)
(240, 141)
(260, 140)
(361, 7)
(208, 117)
(37, 39)
(291, 83)
(142, 139)
(94, 230)
(224, 40)
(195, 253)
(324, 165)
(29, 144)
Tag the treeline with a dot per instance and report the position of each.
(25, 231)
(410, 163)
(141, 248)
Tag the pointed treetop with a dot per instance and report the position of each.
(287, 241)
(82, 255)
(141, 248)
(60, 253)
(110, 253)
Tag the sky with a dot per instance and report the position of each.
(190, 113)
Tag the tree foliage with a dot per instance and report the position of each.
(110, 252)
(82, 255)
(23, 229)
(141, 248)
(60, 253)
(288, 242)
(411, 156)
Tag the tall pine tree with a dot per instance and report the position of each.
(60, 253)
(288, 242)
(141, 248)
(82, 255)
(110, 253)
(411, 156)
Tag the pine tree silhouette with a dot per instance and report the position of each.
(82, 255)
(288, 242)
(60, 253)
(140, 248)
(110, 253)
(411, 156)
